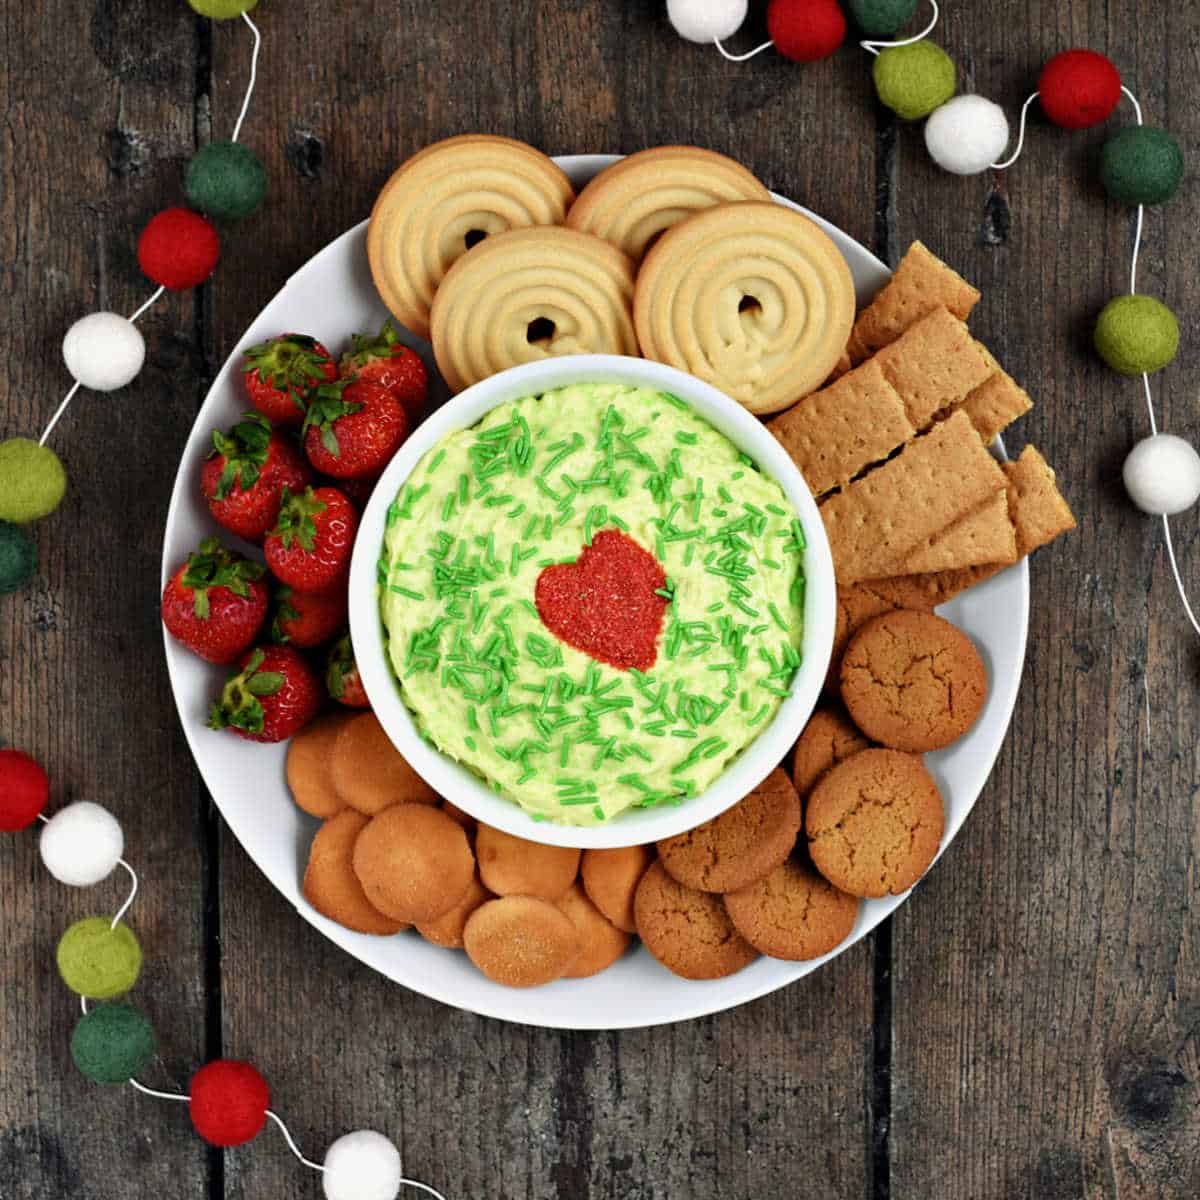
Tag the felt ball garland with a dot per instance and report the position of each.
(112, 1043)
(228, 1103)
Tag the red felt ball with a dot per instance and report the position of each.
(228, 1102)
(178, 249)
(1079, 89)
(806, 30)
(24, 790)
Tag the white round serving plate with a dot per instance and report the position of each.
(332, 296)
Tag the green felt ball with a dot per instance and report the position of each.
(226, 181)
(1137, 334)
(881, 18)
(98, 961)
(222, 10)
(32, 480)
(18, 558)
(1141, 165)
(914, 80)
(112, 1043)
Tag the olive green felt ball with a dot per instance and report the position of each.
(226, 181)
(18, 558)
(32, 481)
(98, 961)
(914, 80)
(222, 10)
(1141, 165)
(1136, 335)
(881, 18)
(113, 1043)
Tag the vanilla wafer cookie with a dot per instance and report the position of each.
(631, 203)
(530, 294)
(751, 297)
(444, 200)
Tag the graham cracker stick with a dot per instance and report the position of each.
(981, 537)
(997, 402)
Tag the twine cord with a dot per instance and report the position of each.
(875, 47)
(1012, 158)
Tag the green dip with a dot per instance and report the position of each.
(569, 738)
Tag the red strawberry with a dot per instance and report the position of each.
(309, 548)
(307, 618)
(281, 374)
(352, 428)
(243, 477)
(359, 490)
(342, 677)
(384, 360)
(215, 603)
(274, 696)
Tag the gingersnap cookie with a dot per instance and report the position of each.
(874, 823)
(601, 943)
(751, 297)
(444, 200)
(913, 681)
(530, 294)
(330, 884)
(743, 844)
(414, 863)
(447, 930)
(465, 819)
(829, 737)
(635, 200)
(309, 758)
(688, 931)
(610, 878)
(369, 773)
(521, 941)
(512, 866)
(793, 913)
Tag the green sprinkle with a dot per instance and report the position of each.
(674, 401)
(777, 618)
(684, 733)
(774, 508)
(738, 602)
(598, 813)
(723, 492)
(758, 716)
(436, 462)
(775, 691)
(448, 506)
(747, 461)
(514, 513)
(688, 439)
(470, 741)
(770, 562)
(403, 591)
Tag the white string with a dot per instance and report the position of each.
(1150, 404)
(253, 76)
(83, 1004)
(423, 1186)
(875, 47)
(287, 1137)
(1012, 158)
(740, 57)
(1137, 108)
(137, 312)
(45, 820)
(132, 893)
(1178, 579)
(133, 1083)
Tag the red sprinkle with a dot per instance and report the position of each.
(604, 603)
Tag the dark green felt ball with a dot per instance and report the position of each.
(226, 181)
(113, 1043)
(881, 18)
(18, 558)
(1141, 165)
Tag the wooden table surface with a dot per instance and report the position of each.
(1025, 1027)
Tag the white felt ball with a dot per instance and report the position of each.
(82, 844)
(1162, 475)
(704, 20)
(966, 135)
(104, 351)
(362, 1165)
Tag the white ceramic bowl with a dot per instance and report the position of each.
(468, 791)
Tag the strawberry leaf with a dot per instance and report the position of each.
(265, 683)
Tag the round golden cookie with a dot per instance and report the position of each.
(610, 878)
(445, 199)
(751, 297)
(688, 931)
(635, 200)
(874, 823)
(511, 866)
(369, 773)
(330, 884)
(828, 737)
(521, 941)
(601, 943)
(309, 756)
(913, 681)
(531, 294)
(743, 844)
(792, 913)
(414, 863)
(447, 930)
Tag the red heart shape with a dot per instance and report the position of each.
(604, 603)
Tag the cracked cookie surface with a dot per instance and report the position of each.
(913, 681)
(829, 737)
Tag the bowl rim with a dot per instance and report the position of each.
(456, 782)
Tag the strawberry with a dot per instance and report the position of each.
(246, 473)
(384, 360)
(307, 618)
(309, 548)
(342, 677)
(359, 490)
(215, 603)
(274, 695)
(281, 374)
(352, 428)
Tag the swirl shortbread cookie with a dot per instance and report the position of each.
(530, 294)
(635, 200)
(752, 297)
(446, 198)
